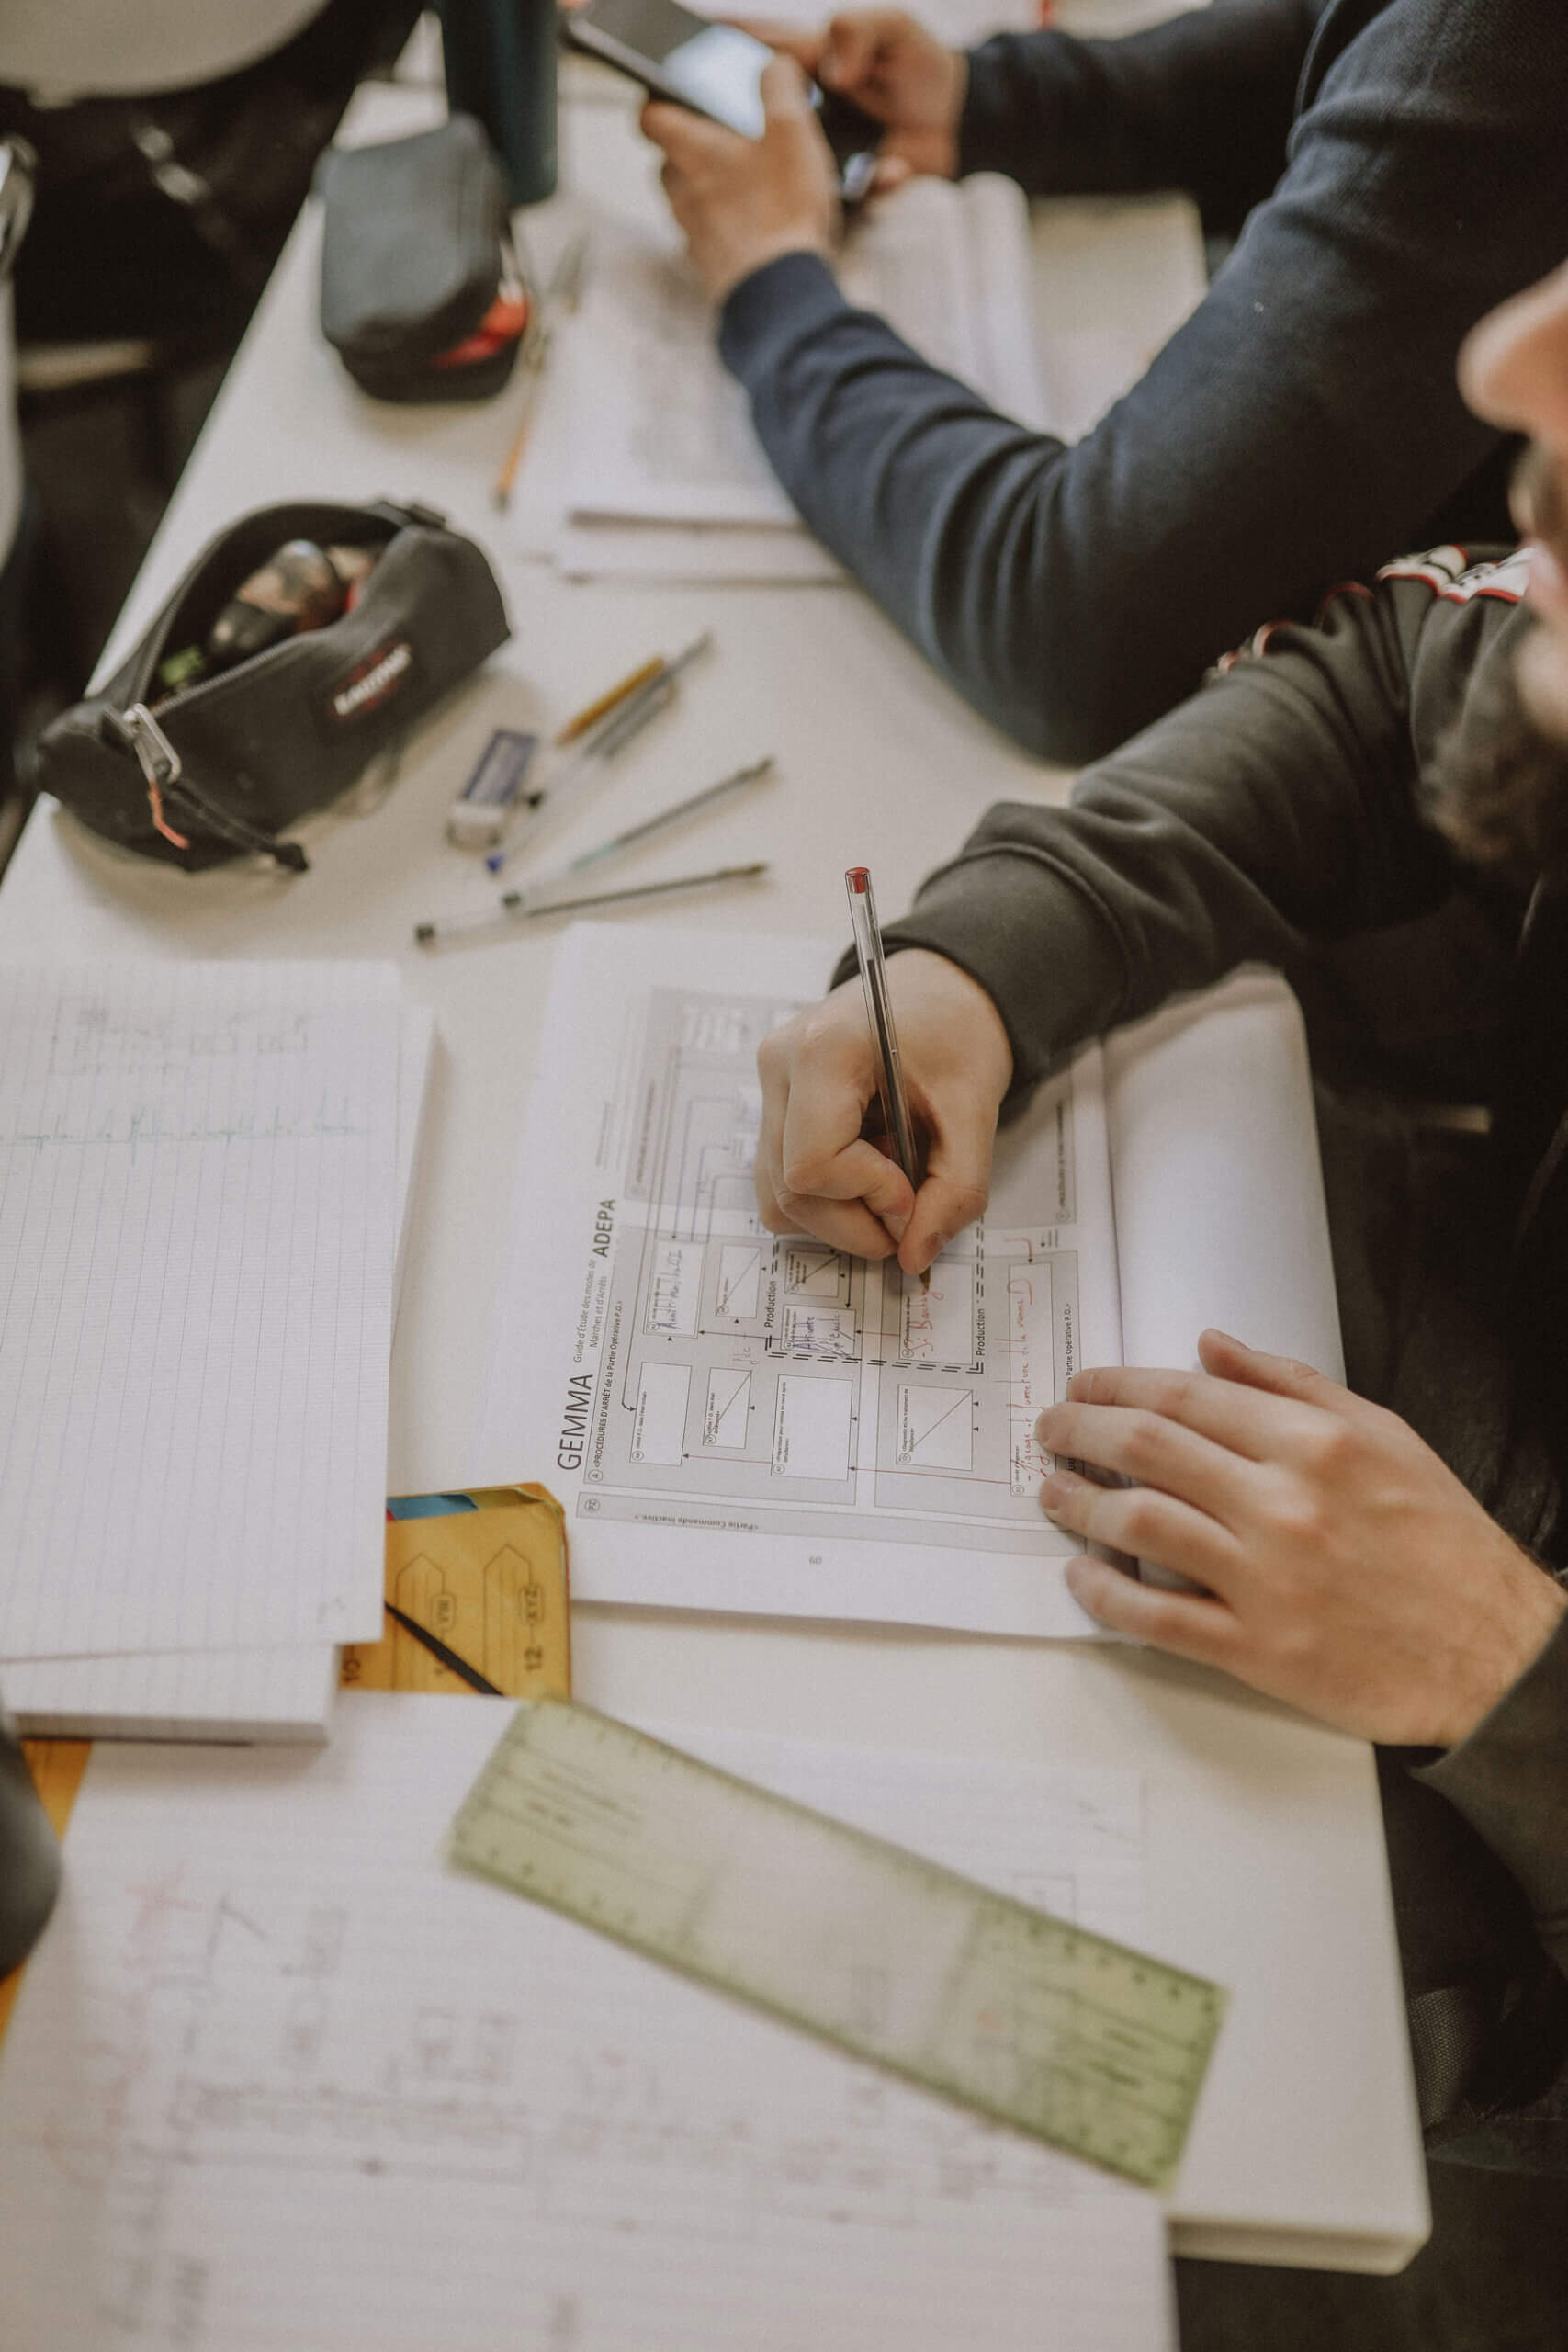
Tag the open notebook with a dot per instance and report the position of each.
(278, 1689)
(278, 2078)
(739, 1421)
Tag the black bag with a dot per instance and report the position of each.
(413, 253)
(217, 770)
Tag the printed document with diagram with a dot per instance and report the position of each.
(739, 1421)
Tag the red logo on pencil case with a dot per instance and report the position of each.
(373, 680)
(501, 323)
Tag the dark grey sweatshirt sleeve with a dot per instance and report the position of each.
(1274, 809)
(1509, 1780)
(1301, 425)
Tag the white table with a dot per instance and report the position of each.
(1265, 1866)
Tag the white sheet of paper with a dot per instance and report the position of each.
(736, 1421)
(695, 551)
(268, 1694)
(1220, 1210)
(197, 1170)
(278, 2077)
(277, 1694)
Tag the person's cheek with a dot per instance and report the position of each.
(1513, 366)
(1543, 676)
(1548, 591)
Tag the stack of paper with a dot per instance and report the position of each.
(268, 2021)
(200, 1173)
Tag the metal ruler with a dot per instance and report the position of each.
(1027, 2019)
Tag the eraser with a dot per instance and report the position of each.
(480, 814)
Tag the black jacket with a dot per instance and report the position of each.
(1306, 420)
(1284, 814)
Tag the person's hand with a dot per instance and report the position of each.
(893, 69)
(1346, 1570)
(742, 202)
(817, 1174)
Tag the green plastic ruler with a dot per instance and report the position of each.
(1026, 2018)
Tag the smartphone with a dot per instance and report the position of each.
(712, 69)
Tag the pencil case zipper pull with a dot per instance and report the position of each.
(139, 732)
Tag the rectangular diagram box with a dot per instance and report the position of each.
(936, 1429)
(658, 1422)
(811, 1428)
(936, 1326)
(1032, 1380)
(727, 1412)
(739, 1280)
(675, 1290)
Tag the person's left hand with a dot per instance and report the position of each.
(1346, 1570)
(742, 202)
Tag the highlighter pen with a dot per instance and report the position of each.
(884, 1036)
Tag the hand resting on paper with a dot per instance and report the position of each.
(745, 202)
(1346, 1570)
(893, 69)
(816, 1170)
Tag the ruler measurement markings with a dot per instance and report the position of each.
(1033, 2021)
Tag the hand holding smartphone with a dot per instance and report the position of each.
(715, 69)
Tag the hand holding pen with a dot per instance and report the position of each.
(817, 1172)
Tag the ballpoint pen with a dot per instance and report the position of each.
(560, 876)
(602, 742)
(884, 1036)
(515, 906)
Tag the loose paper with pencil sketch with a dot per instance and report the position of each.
(278, 2078)
(275, 1693)
(198, 1166)
(735, 1420)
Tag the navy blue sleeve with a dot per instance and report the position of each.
(1302, 424)
(1204, 102)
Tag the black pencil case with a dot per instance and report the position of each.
(415, 254)
(219, 769)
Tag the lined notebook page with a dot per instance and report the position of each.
(278, 1694)
(196, 1199)
(278, 2078)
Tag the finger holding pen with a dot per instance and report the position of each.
(816, 1170)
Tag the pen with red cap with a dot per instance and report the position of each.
(879, 1014)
